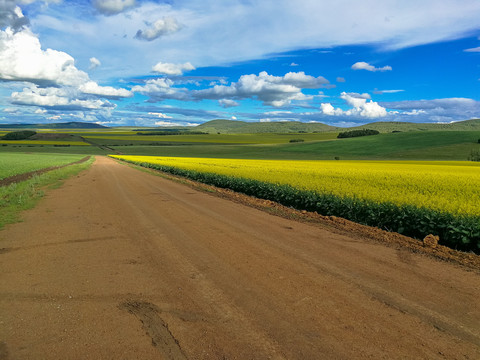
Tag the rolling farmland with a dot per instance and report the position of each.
(148, 260)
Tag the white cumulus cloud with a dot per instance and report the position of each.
(91, 87)
(360, 107)
(22, 59)
(162, 27)
(160, 115)
(172, 69)
(415, 112)
(54, 78)
(363, 108)
(56, 98)
(161, 89)
(226, 103)
(112, 7)
(361, 65)
(11, 15)
(94, 63)
(328, 109)
(271, 90)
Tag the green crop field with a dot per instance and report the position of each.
(14, 164)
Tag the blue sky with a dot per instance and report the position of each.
(161, 63)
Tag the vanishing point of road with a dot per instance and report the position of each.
(119, 263)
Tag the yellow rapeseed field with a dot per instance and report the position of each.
(451, 186)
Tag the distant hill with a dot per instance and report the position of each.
(66, 125)
(242, 127)
(386, 127)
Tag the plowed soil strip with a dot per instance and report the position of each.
(30, 174)
(121, 264)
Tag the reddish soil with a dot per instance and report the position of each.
(122, 264)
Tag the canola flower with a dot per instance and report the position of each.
(448, 186)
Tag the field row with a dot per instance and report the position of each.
(414, 198)
(43, 142)
(12, 164)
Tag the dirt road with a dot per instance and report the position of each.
(122, 264)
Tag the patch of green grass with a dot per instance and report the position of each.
(14, 163)
(24, 195)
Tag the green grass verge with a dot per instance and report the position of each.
(24, 195)
(457, 232)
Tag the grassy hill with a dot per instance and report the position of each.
(467, 125)
(242, 127)
(431, 145)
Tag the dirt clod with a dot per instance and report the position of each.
(431, 241)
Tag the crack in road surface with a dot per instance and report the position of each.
(155, 327)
